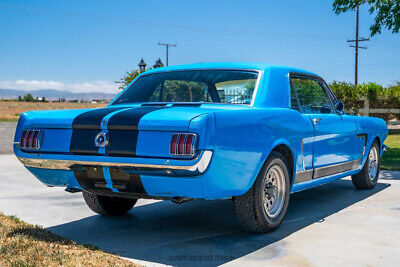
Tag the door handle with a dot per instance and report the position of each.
(316, 120)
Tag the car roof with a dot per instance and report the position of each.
(229, 65)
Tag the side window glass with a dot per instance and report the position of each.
(312, 96)
(293, 100)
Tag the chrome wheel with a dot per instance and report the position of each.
(274, 191)
(373, 163)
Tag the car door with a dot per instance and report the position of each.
(330, 144)
(355, 141)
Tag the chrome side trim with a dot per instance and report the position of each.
(302, 150)
(200, 164)
(321, 172)
(303, 176)
(385, 147)
(336, 168)
(363, 136)
(256, 86)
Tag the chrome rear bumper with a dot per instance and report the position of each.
(194, 166)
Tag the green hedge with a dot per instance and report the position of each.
(378, 96)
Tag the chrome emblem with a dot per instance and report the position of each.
(101, 140)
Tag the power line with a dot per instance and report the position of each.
(118, 20)
(356, 46)
(167, 46)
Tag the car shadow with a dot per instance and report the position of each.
(206, 232)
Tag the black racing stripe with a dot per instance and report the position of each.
(123, 195)
(123, 131)
(90, 177)
(126, 182)
(122, 142)
(92, 119)
(129, 119)
(82, 141)
(85, 127)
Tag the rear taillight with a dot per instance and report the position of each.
(173, 144)
(183, 144)
(23, 139)
(189, 144)
(31, 139)
(34, 138)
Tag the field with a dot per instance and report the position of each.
(23, 244)
(391, 158)
(11, 110)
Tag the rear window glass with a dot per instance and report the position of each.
(220, 86)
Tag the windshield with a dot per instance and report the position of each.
(220, 86)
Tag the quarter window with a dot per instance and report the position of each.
(293, 100)
(312, 96)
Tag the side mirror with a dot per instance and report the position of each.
(339, 107)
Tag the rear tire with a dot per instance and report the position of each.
(367, 178)
(108, 206)
(263, 207)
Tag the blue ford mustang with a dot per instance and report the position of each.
(251, 132)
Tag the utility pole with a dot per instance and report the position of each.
(167, 46)
(356, 46)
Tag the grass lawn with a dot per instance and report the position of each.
(391, 158)
(10, 110)
(23, 244)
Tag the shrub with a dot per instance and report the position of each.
(349, 94)
(378, 96)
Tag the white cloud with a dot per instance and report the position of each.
(94, 86)
(36, 85)
(31, 85)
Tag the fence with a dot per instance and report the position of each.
(366, 110)
(394, 126)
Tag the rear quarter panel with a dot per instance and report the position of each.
(243, 141)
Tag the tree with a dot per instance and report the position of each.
(29, 98)
(387, 12)
(127, 78)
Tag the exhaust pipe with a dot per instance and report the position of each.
(72, 190)
(180, 200)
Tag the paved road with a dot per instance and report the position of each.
(329, 225)
(7, 130)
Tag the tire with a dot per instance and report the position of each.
(254, 209)
(367, 178)
(108, 206)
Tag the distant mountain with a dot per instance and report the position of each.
(52, 94)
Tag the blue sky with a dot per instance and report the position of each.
(86, 45)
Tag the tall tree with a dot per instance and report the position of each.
(387, 13)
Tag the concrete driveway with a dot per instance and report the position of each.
(7, 130)
(329, 225)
